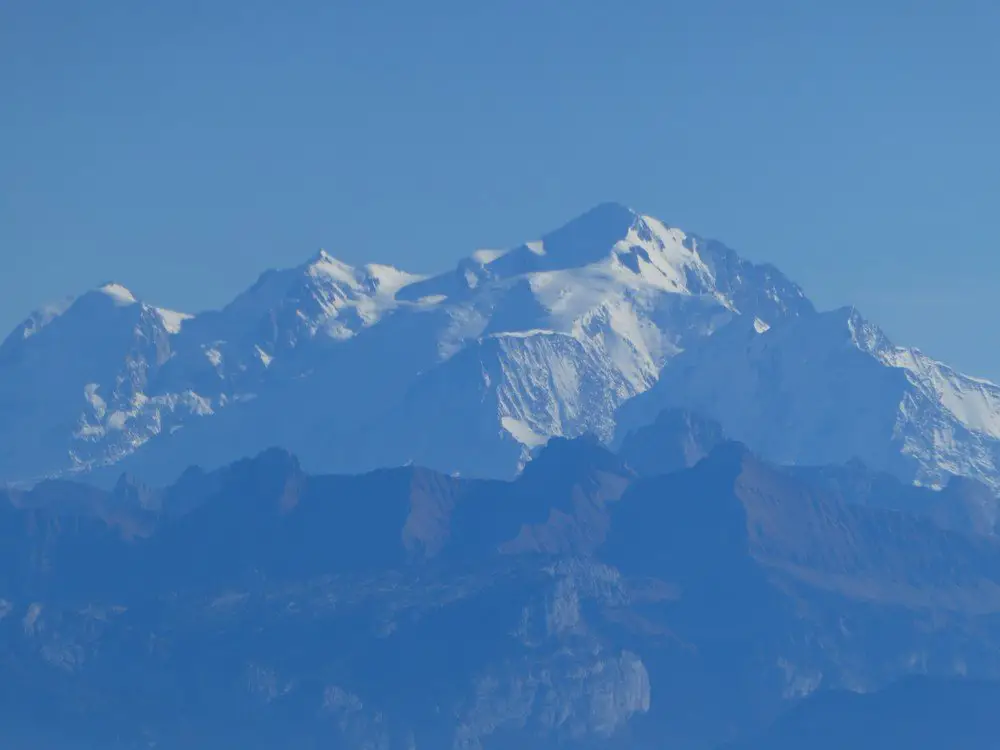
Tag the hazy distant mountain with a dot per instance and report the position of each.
(829, 387)
(579, 606)
(500, 585)
(592, 329)
(349, 367)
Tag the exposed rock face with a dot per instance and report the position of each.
(677, 439)
(580, 606)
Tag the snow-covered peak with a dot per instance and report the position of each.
(827, 387)
(118, 294)
(324, 298)
(585, 240)
(610, 247)
(325, 266)
(371, 279)
(612, 253)
(580, 319)
(90, 314)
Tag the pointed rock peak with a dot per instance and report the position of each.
(571, 457)
(325, 264)
(271, 478)
(848, 324)
(846, 317)
(272, 460)
(678, 439)
(370, 278)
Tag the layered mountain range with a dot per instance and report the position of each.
(591, 329)
(597, 602)
(617, 488)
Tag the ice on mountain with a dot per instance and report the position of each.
(522, 432)
(173, 321)
(119, 294)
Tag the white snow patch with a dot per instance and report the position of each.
(328, 266)
(431, 299)
(116, 421)
(522, 433)
(972, 401)
(121, 296)
(172, 320)
(537, 247)
(483, 257)
(214, 356)
(391, 279)
(264, 357)
(524, 334)
(93, 398)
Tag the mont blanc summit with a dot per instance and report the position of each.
(591, 328)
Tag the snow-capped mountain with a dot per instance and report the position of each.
(830, 387)
(75, 384)
(471, 370)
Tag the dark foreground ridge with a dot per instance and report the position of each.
(599, 601)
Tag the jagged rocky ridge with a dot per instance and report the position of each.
(584, 605)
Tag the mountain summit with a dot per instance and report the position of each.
(471, 370)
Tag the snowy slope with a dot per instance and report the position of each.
(74, 386)
(469, 370)
(483, 411)
(830, 387)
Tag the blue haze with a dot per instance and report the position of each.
(183, 147)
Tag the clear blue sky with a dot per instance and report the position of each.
(183, 147)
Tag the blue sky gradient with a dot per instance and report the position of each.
(181, 148)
